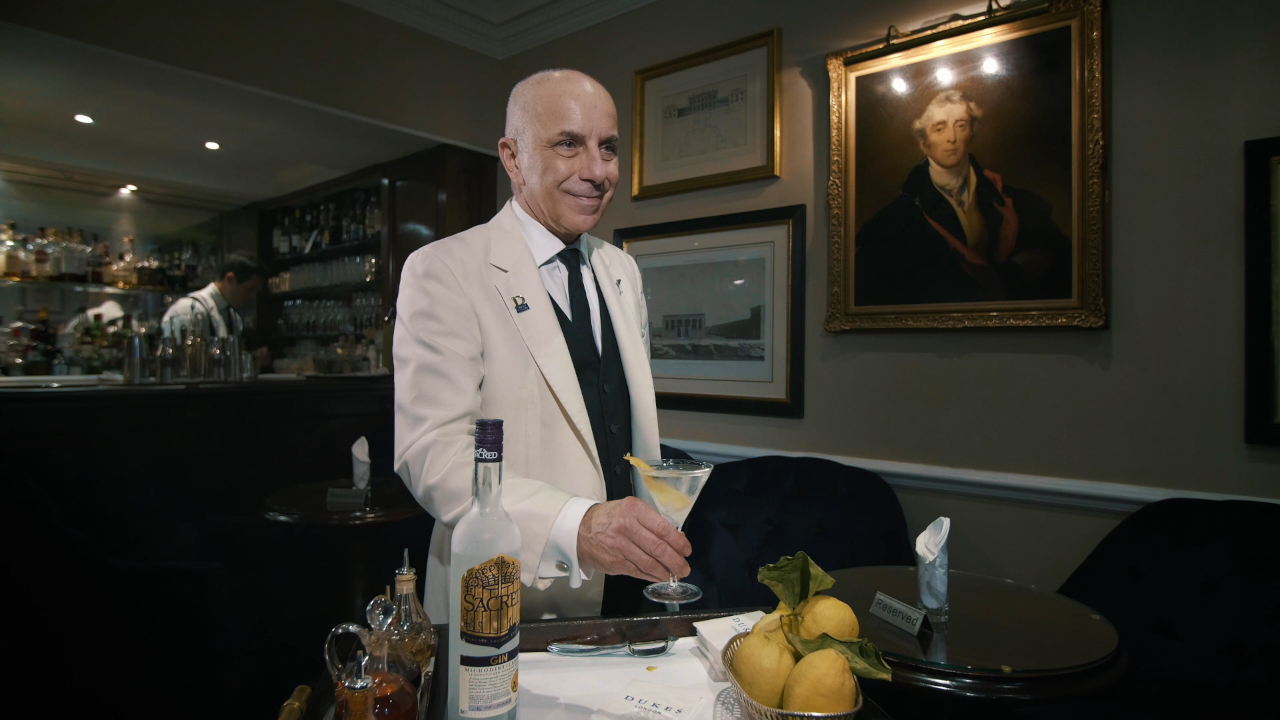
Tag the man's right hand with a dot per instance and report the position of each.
(627, 537)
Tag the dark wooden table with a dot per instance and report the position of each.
(535, 635)
(1002, 641)
(388, 500)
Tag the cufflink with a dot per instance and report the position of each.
(562, 566)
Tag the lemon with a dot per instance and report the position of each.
(821, 682)
(772, 621)
(762, 667)
(825, 614)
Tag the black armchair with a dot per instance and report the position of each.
(754, 511)
(1191, 587)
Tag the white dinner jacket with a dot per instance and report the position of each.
(463, 351)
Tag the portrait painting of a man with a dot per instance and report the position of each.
(961, 191)
(957, 232)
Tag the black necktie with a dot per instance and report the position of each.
(579, 310)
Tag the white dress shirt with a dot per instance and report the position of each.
(560, 557)
(202, 311)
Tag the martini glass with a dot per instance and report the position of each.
(671, 487)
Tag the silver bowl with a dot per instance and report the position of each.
(756, 710)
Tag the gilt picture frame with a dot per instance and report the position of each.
(725, 300)
(966, 175)
(707, 119)
(1262, 290)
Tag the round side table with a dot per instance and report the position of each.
(1002, 640)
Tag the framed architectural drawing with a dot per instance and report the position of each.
(1262, 291)
(725, 296)
(707, 119)
(966, 184)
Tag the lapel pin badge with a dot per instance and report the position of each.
(619, 282)
(521, 305)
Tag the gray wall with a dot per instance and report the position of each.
(1157, 399)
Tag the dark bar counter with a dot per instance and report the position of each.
(138, 527)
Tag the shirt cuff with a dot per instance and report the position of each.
(560, 556)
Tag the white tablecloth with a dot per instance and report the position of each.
(556, 687)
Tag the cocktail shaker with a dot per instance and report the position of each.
(166, 359)
(216, 369)
(134, 358)
(231, 358)
(195, 357)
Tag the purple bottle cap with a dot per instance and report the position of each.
(488, 440)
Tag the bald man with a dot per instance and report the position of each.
(529, 319)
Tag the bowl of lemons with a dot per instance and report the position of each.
(802, 660)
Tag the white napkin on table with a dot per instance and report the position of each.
(360, 464)
(713, 635)
(932, 563)
(651, 701)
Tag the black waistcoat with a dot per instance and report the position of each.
(604, 390)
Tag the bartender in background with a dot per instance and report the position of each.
(214, 310)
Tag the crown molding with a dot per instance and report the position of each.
(541, 23)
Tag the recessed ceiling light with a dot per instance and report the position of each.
(212, 145)
(130, 187)
(84, 119)
(899, 85)
(990, 66)
(125, 191)
(944, 76)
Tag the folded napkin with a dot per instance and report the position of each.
(713, 635)
(647, 701)
(932, 563)
(360, 464)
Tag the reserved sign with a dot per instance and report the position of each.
(897, 613)
(344, 499)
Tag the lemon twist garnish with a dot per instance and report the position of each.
(644, 467)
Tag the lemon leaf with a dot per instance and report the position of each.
(795, 579)
(864, 658)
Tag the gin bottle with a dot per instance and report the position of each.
(484, 593)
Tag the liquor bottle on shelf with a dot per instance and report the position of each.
(359, 219)
(280, 235)
(484, 587)
(99, 259)
(37, 265)
(295, 237)
(13, 252)
(373, 216)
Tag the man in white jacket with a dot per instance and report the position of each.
(529, 319)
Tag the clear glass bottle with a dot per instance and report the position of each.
(358, 692)
(373, 216)
(13, 252)
(37, 265)
(484, 593)
(412, 629)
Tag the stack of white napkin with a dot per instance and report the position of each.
(713, 635)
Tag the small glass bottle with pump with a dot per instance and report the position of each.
(412, 629)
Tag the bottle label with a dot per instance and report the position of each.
(490, 609)
(487, 686)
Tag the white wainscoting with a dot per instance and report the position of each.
(1060, 492)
